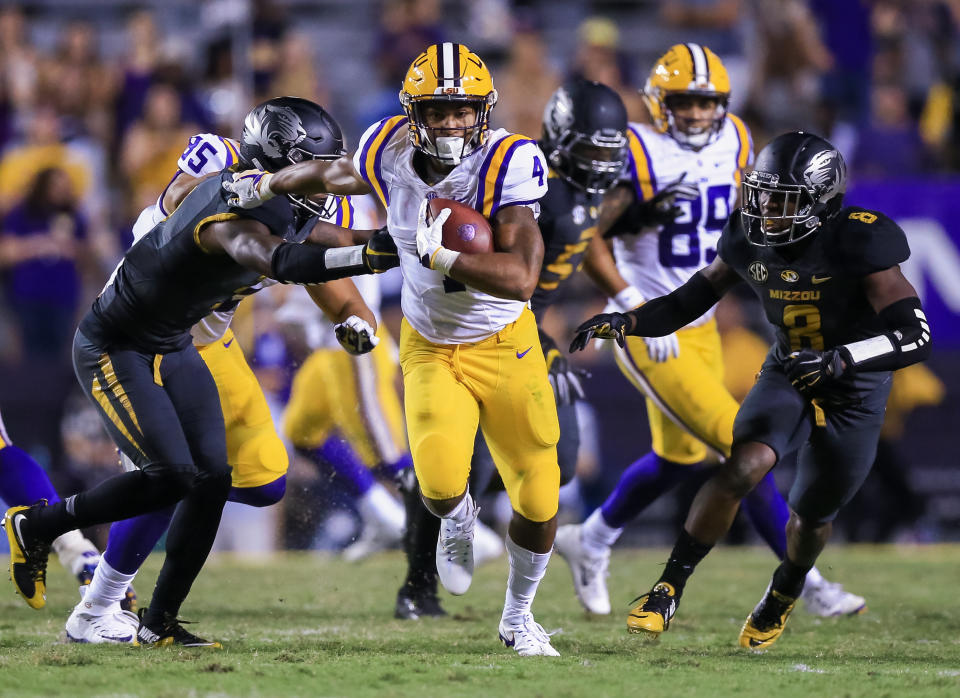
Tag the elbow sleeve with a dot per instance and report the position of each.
(294, 263)
(907, 342)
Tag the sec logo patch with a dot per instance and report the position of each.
(579, 214)
(758, 272)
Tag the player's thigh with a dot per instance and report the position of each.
(837, 458)
(308, 418)
(193, 392)
(518, 417)
(255, 451)
(131, 400)
(774, 413)
(693, 406)
(442, 416)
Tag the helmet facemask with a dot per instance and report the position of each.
(591, 162)
(776, 214)
(448, 149)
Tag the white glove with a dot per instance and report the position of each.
(356, 335)
(662, 348)
(433, 255)
(252, 188)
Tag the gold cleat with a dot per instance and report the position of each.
(28, 558)
(765, 625)
(652, 612)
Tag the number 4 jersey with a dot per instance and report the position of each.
(658, 260)
(507, 170)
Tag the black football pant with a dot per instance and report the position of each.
(163, 412)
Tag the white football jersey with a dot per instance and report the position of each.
(507, 170)
(660, 259)
(299, 308)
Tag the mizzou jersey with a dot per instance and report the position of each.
(507, 170)
(568, 219)
(167, 282)
(814, 294)
(658, 260)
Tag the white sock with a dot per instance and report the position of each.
(464, 510)
(74, 551)
(526, 570)
(379, 505)
(598, 535)
(107, 588)
(814, 578)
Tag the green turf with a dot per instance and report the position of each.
(311, 625)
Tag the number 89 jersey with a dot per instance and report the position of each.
(658, 260)
(508, 170)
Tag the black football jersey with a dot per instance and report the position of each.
(814, 294)
(568, 219)
(166, 282)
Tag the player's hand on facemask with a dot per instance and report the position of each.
(662, 348)
(380, 252)
(430, 236)
(356, 335)
(811, 371)
(250, 188)
(603, 326)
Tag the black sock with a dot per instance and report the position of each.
(687, 553)
(419, 542)
(189, 539)
(121, 497)
(788, 578)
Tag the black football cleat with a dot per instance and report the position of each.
(28, 556)
(169, 633)
(417, 604)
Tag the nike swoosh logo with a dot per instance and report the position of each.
(226, 345)
(754, 642)
(820, 280)
(16, 526)
(521, 354)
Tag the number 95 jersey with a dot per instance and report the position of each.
(658, 260)
(508, 170)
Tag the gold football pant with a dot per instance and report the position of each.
(688, 407)
(255, 452)
(500, 383)
(356, 396)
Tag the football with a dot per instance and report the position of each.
(465, 230)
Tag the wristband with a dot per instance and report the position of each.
(443, 259)
(628, 299)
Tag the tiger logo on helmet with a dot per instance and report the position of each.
(448, 72)
(693, 70)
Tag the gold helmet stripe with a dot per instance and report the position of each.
(701, 66)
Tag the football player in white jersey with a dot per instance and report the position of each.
(683, 178)
(469, 347)
(256, 454)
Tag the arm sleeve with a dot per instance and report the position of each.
(907, 342)
(294, 263)
(661, 316)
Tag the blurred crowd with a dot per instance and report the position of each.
(98, 99)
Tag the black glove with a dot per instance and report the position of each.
(380, 252)
(564, 379)
(603, 326)
(660, 210)
(811, 371)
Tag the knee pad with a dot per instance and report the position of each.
(535, 496)
(442, 466)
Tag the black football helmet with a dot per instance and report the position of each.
(796, 186)
(286, 130)
(585, 135)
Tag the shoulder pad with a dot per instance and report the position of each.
(206, 153)
(733, 241)
(867, 241)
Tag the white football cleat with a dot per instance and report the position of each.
(487, 544)
(455, 552)
(589, 568)
(114, 626)
(828, 599)
(528, 638)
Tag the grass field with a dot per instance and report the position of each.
(299, 624)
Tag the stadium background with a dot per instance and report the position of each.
(97, 100)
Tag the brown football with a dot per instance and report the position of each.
(465, 230)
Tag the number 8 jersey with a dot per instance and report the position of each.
(508, 170)
(658, 260)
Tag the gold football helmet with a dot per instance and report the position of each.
(687, 69)
(448, 72)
